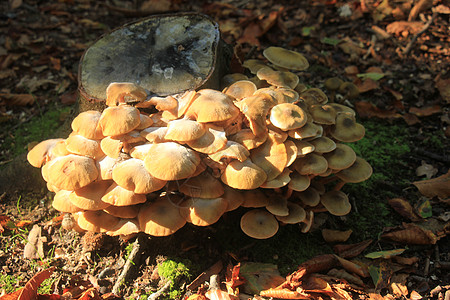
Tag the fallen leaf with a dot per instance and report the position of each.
(384, 254)
(404, 27)
(382, 11)
(425, 111)
(404, 208)
(333, 236)
(426, 170)
(410, 234)
(424, 209)
(410, 119)
(366, 85)
(351, 48)
(372, 75)
(30, 289)
(352, 250)
(366, 109)
(342, 274)
(17, 99)
(439, 186)
(353, 267)
(259, 276)
(380, 275)
(406, 260)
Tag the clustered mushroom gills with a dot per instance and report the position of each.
(264, 143)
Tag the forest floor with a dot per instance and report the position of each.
(398, 55)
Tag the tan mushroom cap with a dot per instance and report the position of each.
(171, 161)
(161, 217)
(124, 212)
(203, 211)
(248, 139)
(122, 92)
(140, 151)
(232, 78)
(114, 146)
(291, 152)
(310, 196)
(78, 144)
(340, 108)
(296, 214)
(323, 114)
(303, 147)
(271, 157)
(311, 164)
(278, 78)
(86, 124)
(281, 180)
(96, 221)
(349, 90)
(145, 122)
(314, 96)
(71, 172)
(306, 224)
(203, 185)
(336, 202)
(323, 144)
(346, 129)
(299, 182)
(359, 171)
(286, 58)
(253, 65)
(278, 206)
(212, 141)
(333, 83)
(155, 134)
(184, 130)
(340, 158)
(40, 153)
(240, 89)
(90, 196)
(125, 227)
(233, 197)
(118, 196)
(243, 175)
(255, 109)
(212, 106)
(184, 102)
(254, 198)
(132, 175)
(308, 130)
(287, 116)
(106, 165)
(62, 203)
(160, 103)
(118, 120)
(259, 224)
(232, 150)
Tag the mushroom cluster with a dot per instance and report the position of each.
(151, 164)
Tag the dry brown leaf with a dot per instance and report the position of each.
(17, 99)
(406, 260)
(342, 274)
(410, 234)
(333, 236)
(443, 85)
(425, 111)
(366, 109)
(366, 85)
(353, 267)
(404, 208)
(410, 119)
(439, 186)
(351, 48)
(426, 170)
(352, 250)
(404, 27)
(30, 289)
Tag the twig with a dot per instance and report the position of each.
(414, 38)
(442, 158)
(371, 48)
(132, 260)
(161, 291)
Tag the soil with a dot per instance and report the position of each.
(40, 47)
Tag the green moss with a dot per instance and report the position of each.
(176, 270)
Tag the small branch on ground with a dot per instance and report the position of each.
(161, 291)
(132, 260)
(414, 38)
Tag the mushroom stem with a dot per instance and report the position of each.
(288, 193)
(328, 179)
(339, 186)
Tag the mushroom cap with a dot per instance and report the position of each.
(359, 171)
(212, 141)
(248, 139)
(310, 196)
(184, 102)
(296, 214)
(212, 106)
(287, 116)
(240, 89)
(78, 144)
(299, 182)
(291, 152)
(306, 131)
(255, 109)
(140, 151)
(336, 202)
(105, 166)
(96, 221)
(271, 157)
(184, 130)
(323, 144)
(254, 198)
(62, 203)
(311, 164)
(323, 114)
(118, 120)
(86, 124)
(122, 92)
(286, 58)
(118, 196)
(349, 89)
(313, 96)
(340, 108)
(125, 227)
(40, 153)
(340, 158)
(346, 129)
(253, 65)
(259, 224)
(161, 217)
(155, 134)
(232, 78)
(123, 212)
(71, 172)
(278, 206)
(278, 78)
(333, 83)
(171, 161)
(203, 185)
(132, 175)
(243, 175)
(233, 197)
(203, 211)
(145, 122)
(89, 197)
(232, 150)
(281, 180)
(308, 222)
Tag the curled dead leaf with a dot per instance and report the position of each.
(439, 186)
(404, 208)
(17, 99)
(366, 109)
(352, 250)
(426, 111)
(410, 234)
